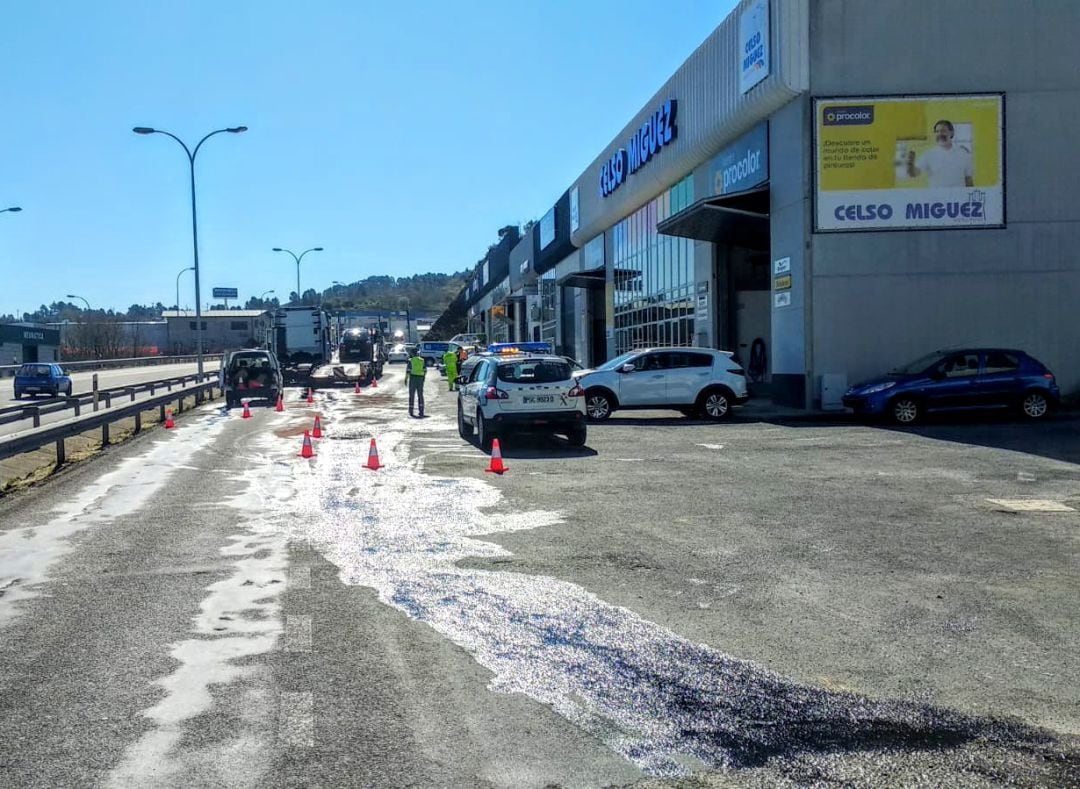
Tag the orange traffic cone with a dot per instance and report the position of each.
(280, 403)
(357, 389)
(310, 396)
(373, 458)
(374, 383)
(316, 432)
(307, 451)
(169, 422)
(247, 411)
(497, 466)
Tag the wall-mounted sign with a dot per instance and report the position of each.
(781, 265)
(29, 335)
(782, 283)
(782, 299)
(742, 165)
(659, 130)
(225, 293)
(547, 228)
(524, 266)
(575, 210)
(909, 162)
(753, 45)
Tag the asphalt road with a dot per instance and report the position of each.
(83, 382)
(748, 603)
(123, 376)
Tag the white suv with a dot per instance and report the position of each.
(696, 381)
(514, 394)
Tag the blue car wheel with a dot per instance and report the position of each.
(905, 410)
(1035, 405)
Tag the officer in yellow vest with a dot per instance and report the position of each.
(450, 360)
(415, 370)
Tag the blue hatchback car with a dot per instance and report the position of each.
(959, 380)
(42, 378)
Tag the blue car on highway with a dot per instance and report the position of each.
(959, 380)
(48, 379)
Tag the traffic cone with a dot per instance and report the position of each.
(317, 430)
(373, 458)
(169, 422)
(307, 451)
(497, 466)
(247, 411)
(280, 403)
(310, 396)
(374, 383)
(357, 389)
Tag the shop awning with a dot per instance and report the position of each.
(593, 279)
(740, 219)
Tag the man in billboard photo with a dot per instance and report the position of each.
(946, 165)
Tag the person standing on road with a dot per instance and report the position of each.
(450, 360)
(415, 370)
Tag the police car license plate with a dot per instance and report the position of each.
(528, 399)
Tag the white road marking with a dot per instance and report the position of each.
(710, 446)
(298, 633)
(1024, 476)
(296, 720)
(300, 577)
(1030, 505)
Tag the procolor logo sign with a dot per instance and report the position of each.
(849, 116)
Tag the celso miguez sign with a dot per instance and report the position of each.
(658, 131)
(753, 44)
(909, 162)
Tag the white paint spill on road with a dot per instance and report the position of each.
(661, 701)
(300, 577)
(28, 553)
(238, 619)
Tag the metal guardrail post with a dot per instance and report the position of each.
(138, 422)
(78, 406)
(108, 399)
(161, 414)
(60, 455)
(35, 412)
(96, 394)
(105, 435)
(152, 389)
(130, 391)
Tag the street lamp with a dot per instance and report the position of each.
(80, 298)
(408, 318)
(297, 259)
(191, 154)
(189, 268)
(14, 209)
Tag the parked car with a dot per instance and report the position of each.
(399, 353)
(696, 381)
(432, 351)
(955, 380)
(250, 374)
(507, 395)
(37, 378)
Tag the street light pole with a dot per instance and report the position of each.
(191, 154)
(80, 298)
(297, 258)
(14, 209)
(189, 268)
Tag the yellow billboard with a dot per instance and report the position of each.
(905, 162)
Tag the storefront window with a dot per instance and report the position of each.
(548, 317)
(654, 276)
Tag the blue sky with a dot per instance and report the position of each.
(399, 136)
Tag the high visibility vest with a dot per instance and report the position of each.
(449, 358)
(416, 366)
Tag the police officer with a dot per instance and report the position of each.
(450, 360)
(415, 370)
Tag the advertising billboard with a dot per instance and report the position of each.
(909, 162)
(753, 44)
(225, 293)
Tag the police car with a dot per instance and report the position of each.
(512, 393)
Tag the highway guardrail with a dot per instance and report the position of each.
(36, 438)
(8, 370)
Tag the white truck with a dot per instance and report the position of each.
(300, 338)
